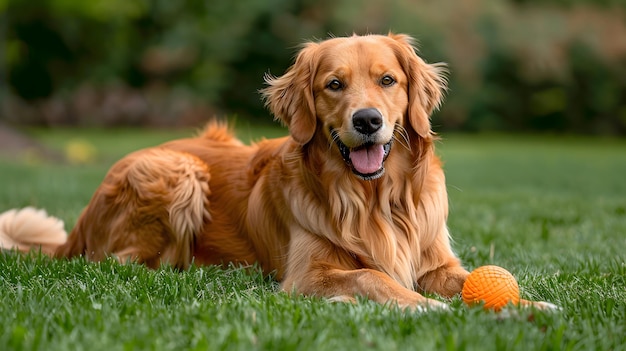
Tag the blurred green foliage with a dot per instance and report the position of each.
(516, 65)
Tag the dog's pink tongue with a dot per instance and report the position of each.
(368, 160)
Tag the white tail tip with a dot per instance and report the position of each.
(30, 228)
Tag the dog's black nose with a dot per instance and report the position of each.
(367, 121)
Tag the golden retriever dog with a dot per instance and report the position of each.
(352, 203)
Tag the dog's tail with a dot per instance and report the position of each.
(29, 229)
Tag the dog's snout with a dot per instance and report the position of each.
(367, 121)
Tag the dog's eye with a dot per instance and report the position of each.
(335, 85)
(387, 81)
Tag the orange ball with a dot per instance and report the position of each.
(492, 285)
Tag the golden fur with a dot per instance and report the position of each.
(315, 208)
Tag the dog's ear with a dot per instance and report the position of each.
(290, 96)
(426, 87)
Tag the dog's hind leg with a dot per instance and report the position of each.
(148, 209)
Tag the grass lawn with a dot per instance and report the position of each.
(550, 210)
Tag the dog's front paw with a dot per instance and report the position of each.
(428, 305)
(446, 281)
(541, 305)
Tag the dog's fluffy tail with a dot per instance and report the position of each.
(29, 229)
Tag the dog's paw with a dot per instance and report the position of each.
(541, 305)
(429, 305)
(342, 299)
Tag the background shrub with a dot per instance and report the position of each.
(556, 65)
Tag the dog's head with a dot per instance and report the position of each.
(359, 91)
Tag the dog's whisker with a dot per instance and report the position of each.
(335, 137)
(402, 137)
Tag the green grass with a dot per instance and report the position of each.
(551, 210)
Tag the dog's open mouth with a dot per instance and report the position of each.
(366, 161)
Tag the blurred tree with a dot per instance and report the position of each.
(3, 65)
(54, 44)
(270, 48)
(554, 65)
